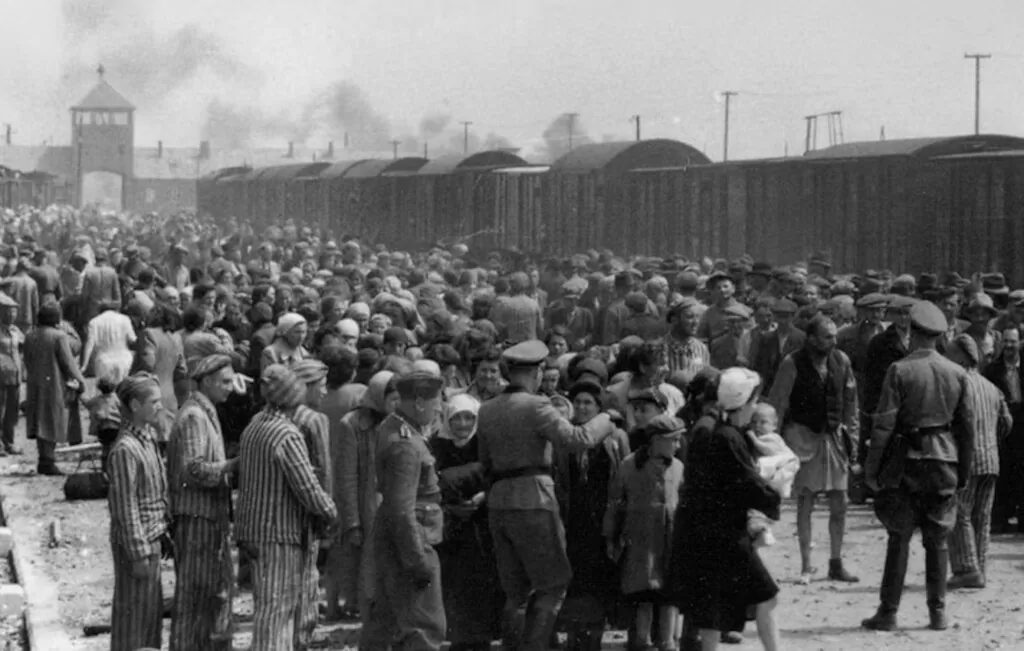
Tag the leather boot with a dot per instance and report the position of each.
(936, 560)
(541, 616)
(897, 554)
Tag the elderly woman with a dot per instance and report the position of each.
(52, 374)
(584, 480)
(287, 347)
(472, 597)
(717, 574)
(353, 460)
(138, 518)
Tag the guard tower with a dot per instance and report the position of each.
(103, 146)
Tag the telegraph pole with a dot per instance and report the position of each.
(727, 94)
(465, 137)
(977, 88)
(394, 147)
(572, 122)
(636, 118)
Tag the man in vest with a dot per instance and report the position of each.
(815, 394)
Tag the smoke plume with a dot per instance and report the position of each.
(433, 125)
(557, 140)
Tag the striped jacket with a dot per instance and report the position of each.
(196, 467)
(316, 431)
(992, 421)
(137, 494)
(278, 493)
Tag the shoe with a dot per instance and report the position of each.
(50, 471)
(968, 581)
(937, 620)
(880, 622)
(731, 637)
(836, 572)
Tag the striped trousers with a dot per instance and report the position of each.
(278, 591)
(310, 607)
(968, 544)
(137, 612)
(204, 575)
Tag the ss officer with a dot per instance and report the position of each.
(517, 431)
(407, 611)
(923, 417)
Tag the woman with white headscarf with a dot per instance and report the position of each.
(717, 574)
(287, 345)
(472, 597)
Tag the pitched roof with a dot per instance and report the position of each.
(103, 96)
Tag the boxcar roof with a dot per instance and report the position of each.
(482, 159)
(921, 147)
(621, 157)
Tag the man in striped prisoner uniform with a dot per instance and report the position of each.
(968, 544)
(200, 502)
(280, 505)
(312, 373)
(138, 519)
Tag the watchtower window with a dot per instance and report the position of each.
(101, 118)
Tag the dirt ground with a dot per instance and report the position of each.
(822, 616)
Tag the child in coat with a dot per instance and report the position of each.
(105, 415)
(775, 462)
(642, 501)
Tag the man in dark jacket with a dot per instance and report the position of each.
(1006, 374)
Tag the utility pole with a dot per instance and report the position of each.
(636, 118)
(728, 94)
(465, 137)
(394, 147)
(572, 122)
(977, 88)
(425, 151)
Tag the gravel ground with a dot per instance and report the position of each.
(823, 616)
(12, 629)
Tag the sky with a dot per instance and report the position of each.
(262, 72)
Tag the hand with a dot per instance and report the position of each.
(232, 466)
(856, 468)
(354, 537)
(611, 550)
(141, 568)
(871, 481)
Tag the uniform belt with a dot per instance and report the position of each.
(515, 473)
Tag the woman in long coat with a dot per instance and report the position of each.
(718, 575)
(593, 596)
(160, 352)
(473, 599)
(353, 460)
(50, 367)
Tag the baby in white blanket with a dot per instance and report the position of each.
(775, 462)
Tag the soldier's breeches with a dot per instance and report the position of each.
(402, 616)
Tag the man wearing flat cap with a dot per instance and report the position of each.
(407, 604)
(518, 431)
(714, 322)
(100, 286)
(280, 505)
(23, 289)
(922, 448)
(768, 350)
(312, 373)
(568, 313)
(200, 507)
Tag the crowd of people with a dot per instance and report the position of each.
(459, 445)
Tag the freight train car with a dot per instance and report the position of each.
(910, 205)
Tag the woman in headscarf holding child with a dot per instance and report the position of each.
(717, 574)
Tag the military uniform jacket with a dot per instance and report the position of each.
(519, 430)
(409, 516)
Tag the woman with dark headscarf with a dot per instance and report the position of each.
(52, 378)
(584, 480)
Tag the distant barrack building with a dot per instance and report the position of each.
(103, 166)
